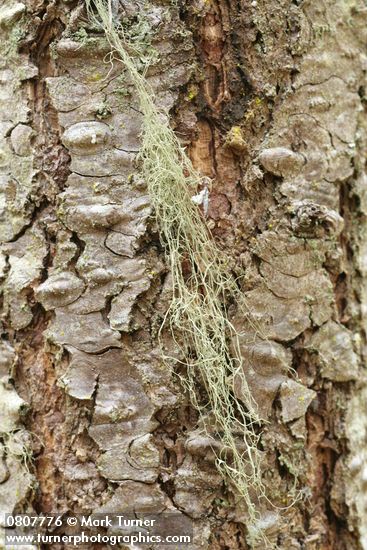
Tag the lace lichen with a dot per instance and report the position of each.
(202, 282)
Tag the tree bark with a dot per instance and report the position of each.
(268, 97)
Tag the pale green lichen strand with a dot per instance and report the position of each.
(196, 315)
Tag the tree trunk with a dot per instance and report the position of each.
(268, 98)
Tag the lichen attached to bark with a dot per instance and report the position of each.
(200, 279)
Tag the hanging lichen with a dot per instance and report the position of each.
(197, 312)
